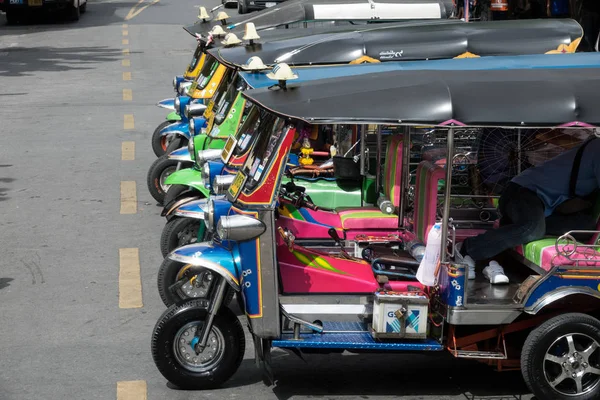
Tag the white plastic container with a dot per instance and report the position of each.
(426, 272)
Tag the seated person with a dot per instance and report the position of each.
(527, 206)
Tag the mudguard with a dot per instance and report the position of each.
(182, 154)
(199, 124)
(195, 208)
(173, 116)
(188, 177)
(178, 128)
(211, 256)
(169, 104)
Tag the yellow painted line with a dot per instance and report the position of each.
(125, 26)
(128, 197)
(128, 122)
(127, 95)
(125, 52)
(128, 151)
(125, 33)
(130, 296)
(138, 8)
(126, 76)
(125, 41)
(126, 63)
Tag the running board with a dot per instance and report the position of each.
(353, 341)
(487, 355)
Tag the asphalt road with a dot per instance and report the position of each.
(62, 125)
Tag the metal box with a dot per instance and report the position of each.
(400, 315)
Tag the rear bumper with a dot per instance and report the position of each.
(46, 5)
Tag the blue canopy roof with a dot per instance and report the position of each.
(544, 61)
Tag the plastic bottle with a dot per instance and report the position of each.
(426, 272)
(416, 249)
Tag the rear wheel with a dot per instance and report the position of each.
(179, 232)
(561, 358)
(175, 356)
(83, 8)
(242, 7)
(160, 143)
(74, 11)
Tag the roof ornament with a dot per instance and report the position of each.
(254, 64)
(251, 33)
(282, 73)
(231, 40)
(222, 16)
(203, 15)
(217, 31)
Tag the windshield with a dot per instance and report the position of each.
(226, 102)
(195, 58)
(270, 130)
(208, 69)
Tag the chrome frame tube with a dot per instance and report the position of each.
(404, 183)
(378, 169)
(446, 212)
(214, 307)
(363, 149)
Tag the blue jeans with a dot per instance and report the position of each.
(523, 221)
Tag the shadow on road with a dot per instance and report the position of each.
(3, 190)
(5, 282)
(24, 61)
(392, 375)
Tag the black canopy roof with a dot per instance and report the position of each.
(293, 11)
(409, 41)
(518, 97)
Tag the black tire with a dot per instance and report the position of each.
(12, 17)
(227, 4)
(176, 191)
(160, 143)
(74, 11)
(242, 7)
(83, 8)
(549, 338)
(179, 232)
(231, 341)
(160, 169)
(170, 272)
(176, 143)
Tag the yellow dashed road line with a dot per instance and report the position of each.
(127, 95)
(130, 288)
(128, 122)
(125, 41)
(125, 26)
(125, 52)
(126, 76)
(125, 33)
(128, 197)
(128, 151)
(126, 63)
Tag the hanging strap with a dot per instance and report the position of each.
(575, 168)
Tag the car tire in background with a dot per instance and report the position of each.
(74, 11)
(242, 7)
(12, 17)
(83, 8)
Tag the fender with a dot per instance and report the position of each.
(548, 298)
(174, 204)
(211, 256)
(182, 154)
(188, 177)
(173, 116)
(178, 128)
(195, 208)
(169, 104)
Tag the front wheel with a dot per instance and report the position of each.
(170, 272)
(158, 173)
(177, 359)
(181, 231)
(561, 358)
(159, 142)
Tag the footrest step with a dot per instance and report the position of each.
(362, 341)
(479, 354)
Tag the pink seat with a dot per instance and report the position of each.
(429, 176)
(544, 253)
(367, 218)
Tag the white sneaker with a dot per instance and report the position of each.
(466, 260)
(495, 273)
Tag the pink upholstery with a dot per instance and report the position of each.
(392, 171)
(367, 218)
(426, 191)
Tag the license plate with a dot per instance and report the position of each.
(209, 108)
(34, 3)
(193, 87)
(237, 184)
(270, 4)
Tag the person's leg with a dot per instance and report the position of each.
(590, 31)
(558, 225)
(525, 211)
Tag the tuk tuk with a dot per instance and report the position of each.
(422, 40)
(299, 298)
(325, 190)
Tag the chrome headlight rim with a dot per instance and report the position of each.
(186, 111)
(192, 128)
(209, 215)
(221, 183)
(191, 147)
(239, 228)
(206, 174)
(177, 104)
(175, 83)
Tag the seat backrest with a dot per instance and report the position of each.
(426, 195)
(392, 170)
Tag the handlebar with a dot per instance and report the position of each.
(297, 195)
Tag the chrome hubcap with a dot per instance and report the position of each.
(572, 364)
(194, 288)
(188, 235)
(204, 359)
(163, 177)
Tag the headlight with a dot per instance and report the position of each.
(239, 228)
(208, 155)
(206, 175)
(192, 127)
(186, 111)
(209, 215)
(177, 103)
(221, 183)
(175, 83)
(183, 87)
(191, 147)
